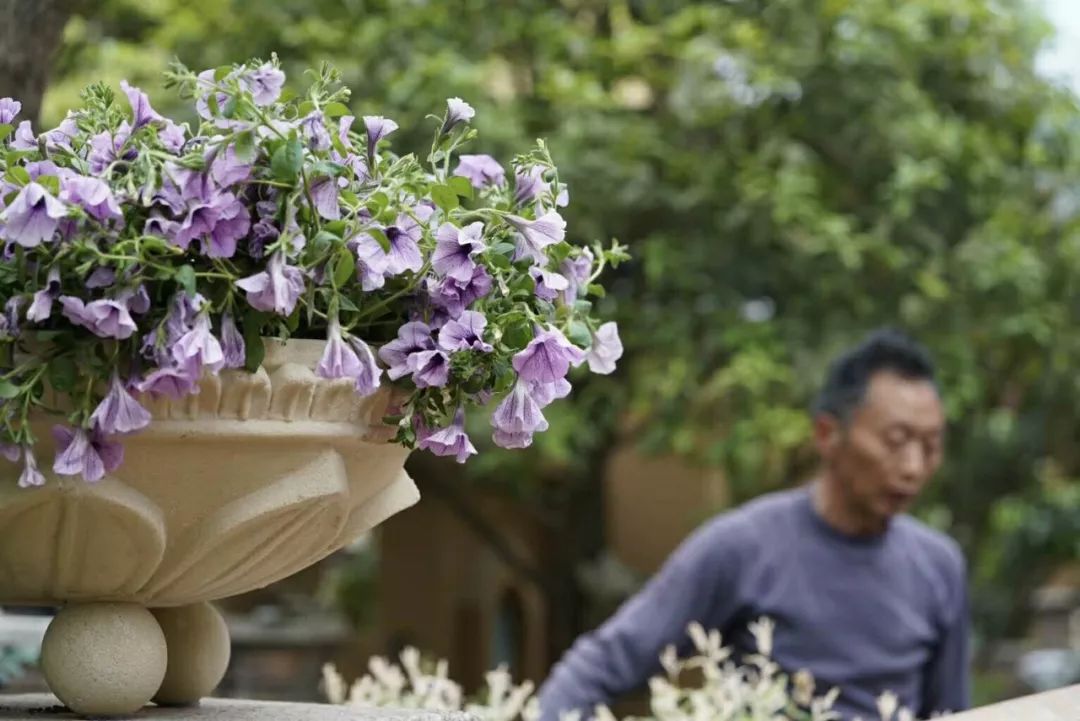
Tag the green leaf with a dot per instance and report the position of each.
(335, 110)
(444, 197)
(50, 183)
(518, 335)
(8, 390)
(17, 175)
(221, 72)
(245, 147)
(461, 186)
(14, 156)
(579, 334)
(229, 111)
(559, 252)
(325, 167)
(337, 227)
(347, 305)
(597, 290)
(379, 236)
(344, 267)
(6, 130)
(377, 202)
(62, 373)
(254, 351)
(287, 160)
(305, 107)
(185, 276)
(501, 261)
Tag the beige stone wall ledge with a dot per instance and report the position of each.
(1061, 704)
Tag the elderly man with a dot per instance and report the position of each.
(864, 596)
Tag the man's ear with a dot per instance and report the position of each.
(828, 433)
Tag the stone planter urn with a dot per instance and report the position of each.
(254, 478)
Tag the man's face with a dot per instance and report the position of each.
(890, 447)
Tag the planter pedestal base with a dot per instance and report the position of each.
(104, 659)
(198, 643)
(111, 659)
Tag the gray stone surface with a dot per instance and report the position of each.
(40, 707)
(1062, 704)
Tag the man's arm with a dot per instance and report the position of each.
(947, 684)
(695, 584)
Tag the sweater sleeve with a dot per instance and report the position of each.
(696, 583)
(947, 682)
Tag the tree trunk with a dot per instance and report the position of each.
(30, 33)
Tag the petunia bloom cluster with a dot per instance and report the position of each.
(142, 254)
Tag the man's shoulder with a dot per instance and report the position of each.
(928, 542)
(757, 513)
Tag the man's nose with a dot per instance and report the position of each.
(913, 462)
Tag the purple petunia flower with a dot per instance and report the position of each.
(548, 284)
(545, 393)
(429, 368)
(204, 87)
(227, 169)
(324, 193)
(41, 306)
(231, 222)
(277, 288)
(368, 380)
(138, 300)
(527, 184)
(464, 333)
(31, 475)
(449, 441)
(118, 411)
(481, 170)
(105, 318)
(24, 137)
(93, 195)
(32, 217)
(576, 270)
(313, 127)
(84, 453)
(371, 261)
(348, 357)
(457, 111)
(378, 128)
(101, 277)
(140, 106)
(10, 451)
(606, 348)
(173, 381)
(9, 108)
(454, 296)
(404, 237)
(105, 148)
(199, 346)
(455, 248)
(264, 83)
(517, 418)
(62, 135)
(232, 343)
(536, 235)
(547, 358)
(11, 313)
(345, 123)
(172, 136)
(413, 337)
